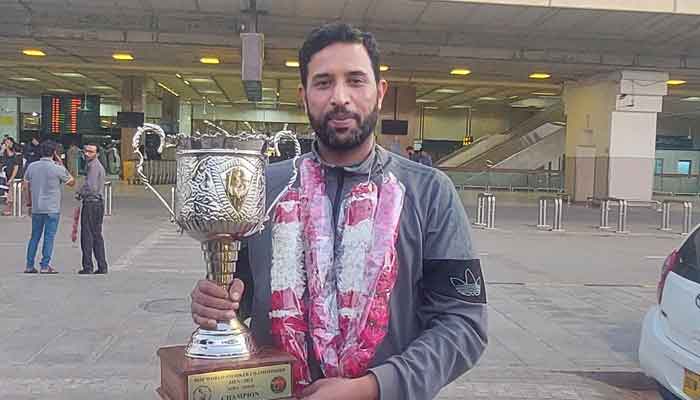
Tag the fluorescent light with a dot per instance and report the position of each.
(425, 101)
(384, 68)
(692, 98)
(210, 91)
(545, 93)
(24, 79)
(292, 64)
(102, 87)
(540, 75)
(488, 98)
(460, 71)
(123, 57)
(174, 93)
(68, 74)
(33, 52)
(59, 90)
(209, 60)
(460, 106)
(449, 91)
(431, 108)
(200, 80)
(179, 76)
(675, 82)
(513, 97)
(186, 82)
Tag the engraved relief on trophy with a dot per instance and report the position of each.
(237, 186)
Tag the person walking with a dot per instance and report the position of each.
(44, 179)
(12, 165)
(92, 214)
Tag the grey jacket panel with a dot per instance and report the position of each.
(433, 337)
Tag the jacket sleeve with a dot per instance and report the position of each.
(453, 310)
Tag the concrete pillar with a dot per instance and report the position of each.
(399, 103)
(611, 134)
(133, 100)
(9, 117)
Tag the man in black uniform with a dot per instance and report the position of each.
(91, 216)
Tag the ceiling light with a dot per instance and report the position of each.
(692, 98)
(174, 93)
(292, 64)
(268, 89)
(460, 71)
(384, 68)
(675, 82)
(102, 87)
(513, 97)
(488, 98)
(449, 91)
(24, 79)
(68, 74)
(33, 53)
(460, 106)
(209, 60)
(431, 108)
(425, 101)
(200, 80)
(123, 57)
(210, 91)
(186, 82)
(59, 90)
(179, 76)
(540, 75)
(545, 93)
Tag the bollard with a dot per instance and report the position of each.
(622, 216)
(687, 217)
(557, 218)
(557, 225)
(491, 220)
(666, 215)
(604, 214)
(107, 196)
(486, 211)
(542, 217)
(480, 207)
(172, 198)
(17, 197)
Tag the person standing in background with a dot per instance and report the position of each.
(44, 179)
(72, 156)
(31, 152)
(12, 166)
(92, 214)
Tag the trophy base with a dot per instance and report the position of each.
(267, 375)
(231, 341)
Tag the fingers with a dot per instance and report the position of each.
(210, 303)
(236, 291)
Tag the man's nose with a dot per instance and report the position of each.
(340, 95)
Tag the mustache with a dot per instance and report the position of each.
(341, 112)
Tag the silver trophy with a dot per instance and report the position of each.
(219, 200)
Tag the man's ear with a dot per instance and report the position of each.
(382, 87)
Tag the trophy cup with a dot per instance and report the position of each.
(220, 200)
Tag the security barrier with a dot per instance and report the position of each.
(666, 215)
(486, 211)
(107, 196)
(621, 215)
(556, 225)
(158, 172)
(17, 186)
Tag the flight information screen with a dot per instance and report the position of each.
(69, 114)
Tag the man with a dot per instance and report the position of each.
(92, 214)
(31, 153)
(366, 273)
(44, 179)
(12, 165)
(422, 157)
(410, 153)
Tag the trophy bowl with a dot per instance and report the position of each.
(219, 201)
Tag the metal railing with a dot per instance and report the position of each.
(666, 215)
(556, 225)
(17, 188)
(506, 179)
(159, 172)
(605, 213)
(486, 211)
(107, 196)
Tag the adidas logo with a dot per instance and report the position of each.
(469, 287)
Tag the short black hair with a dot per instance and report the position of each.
(97, 146)
(409, 148)
(336, 32)
(46, 148)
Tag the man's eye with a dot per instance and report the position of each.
(322, 84)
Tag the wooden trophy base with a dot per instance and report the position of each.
(265, 376)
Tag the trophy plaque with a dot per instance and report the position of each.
(219, 201)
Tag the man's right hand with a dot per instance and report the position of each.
(211, 302)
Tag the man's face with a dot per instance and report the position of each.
(90, 152)
(342, 96)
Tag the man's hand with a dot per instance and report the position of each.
(364, 388)
(211, 302)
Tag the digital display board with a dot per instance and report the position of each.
(69, 114)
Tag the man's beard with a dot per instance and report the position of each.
(349, 140)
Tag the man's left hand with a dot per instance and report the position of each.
(364, 388)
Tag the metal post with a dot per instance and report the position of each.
(17, 197)
(622, 216)
(542, 218)
(604, 213)
(687, 217)
(665, 216)
(491, 220)
(172, 198)
(480, 210)
(107, 195)
(558, 211)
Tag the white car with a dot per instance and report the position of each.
(669, 350)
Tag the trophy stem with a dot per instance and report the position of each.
(231, 339)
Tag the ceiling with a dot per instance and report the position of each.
(421, 41)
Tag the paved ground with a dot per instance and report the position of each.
(565, 309)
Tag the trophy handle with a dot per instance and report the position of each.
(135, 143)
(289, 135)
